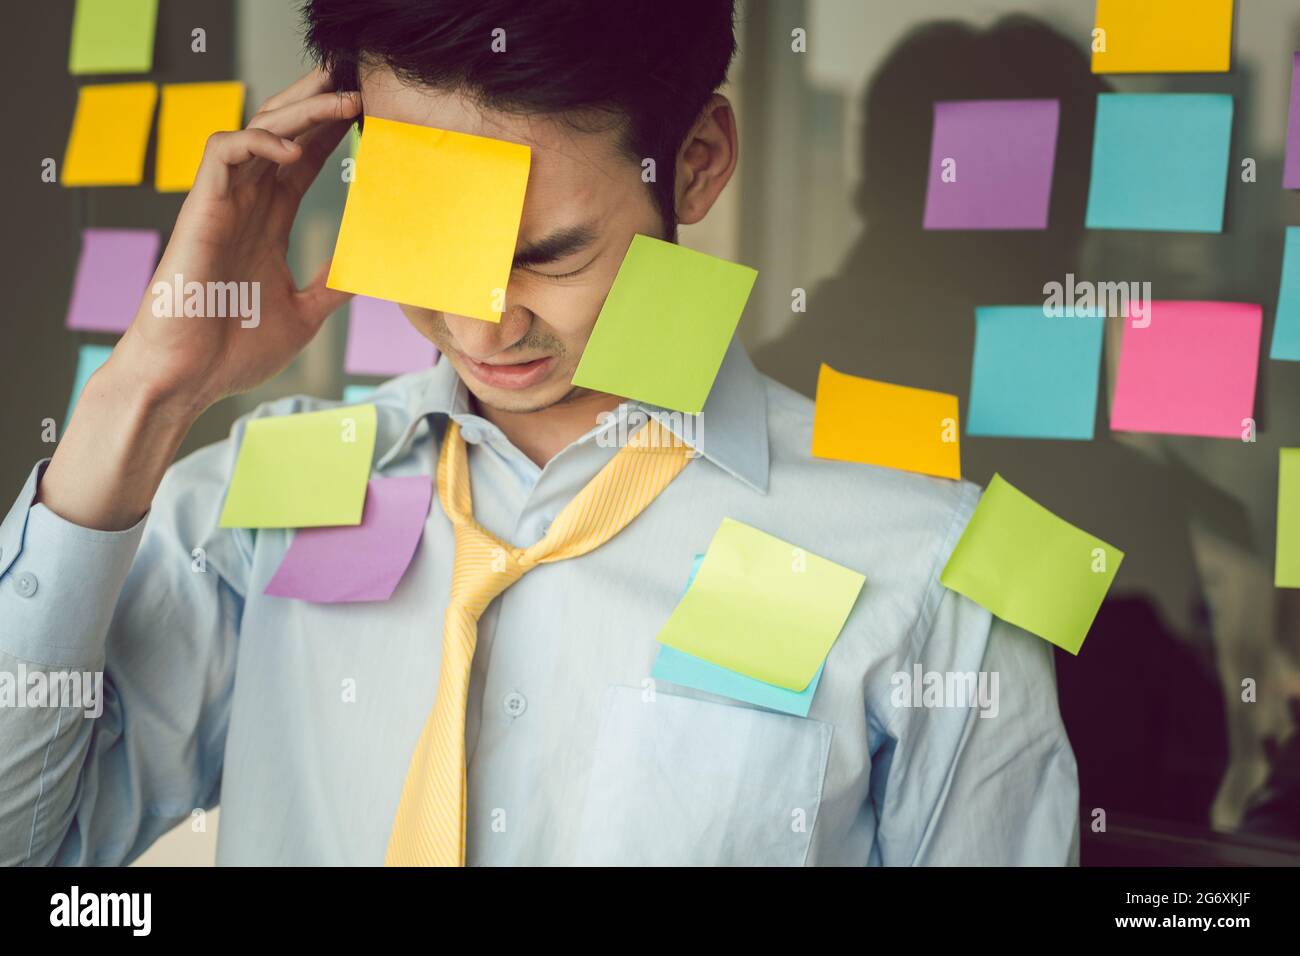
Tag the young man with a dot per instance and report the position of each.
(508, 718)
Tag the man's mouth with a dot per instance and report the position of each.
(515, 375)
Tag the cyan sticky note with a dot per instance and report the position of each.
(89, 358)
(1286, 332)
(1034, 375)
(356, 394)
(687, 670)
(1160, 161)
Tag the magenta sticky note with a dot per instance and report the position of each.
(113, 273)
(991, 164)
(361, 562)
(1190, 371)
(1291, 172)
(381, 341)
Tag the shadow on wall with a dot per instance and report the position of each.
(1143, 703)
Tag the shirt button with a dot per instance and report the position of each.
(25, 584)
(515, 704)
(471, 435)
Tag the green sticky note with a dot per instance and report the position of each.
(1031, 568)
(112, 36)
(665, 326)
(302, 471)
(1287, 573)
(762, 607)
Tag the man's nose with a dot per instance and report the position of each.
(480, 340)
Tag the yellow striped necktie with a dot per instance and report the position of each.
(429, 829)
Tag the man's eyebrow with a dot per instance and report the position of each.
(556, 246)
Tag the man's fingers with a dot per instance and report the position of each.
(297, 118)
(316, 300)
(227, 150)
(317, 81)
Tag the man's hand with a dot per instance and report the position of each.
(234, 227)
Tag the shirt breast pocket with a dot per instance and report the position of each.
(681, 781)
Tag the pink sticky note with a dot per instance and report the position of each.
(1191, 371)
(112, 274)
(381, 341)
(362, 562)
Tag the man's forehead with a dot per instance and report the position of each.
(561, 150)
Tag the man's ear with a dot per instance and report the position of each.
(706, 160)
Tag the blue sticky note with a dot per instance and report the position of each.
(89, 358)
(1286, 333)
(356, 394)
(1033, 375)
(1160, 161)
(687, 670)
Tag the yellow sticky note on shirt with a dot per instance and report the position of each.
(763, 607)
(1162, 36)
(431, 219)
(912, 429)
(302, 471)
(110, 133)
(190, 113)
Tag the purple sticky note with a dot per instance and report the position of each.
(112, 275)
(1291, 174)
(362, 562)
(381, 341)
(991, 164)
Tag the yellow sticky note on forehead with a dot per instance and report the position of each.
(110, 132)
(912, 429)
(189, 114)
(431, 219)
(1162, 36)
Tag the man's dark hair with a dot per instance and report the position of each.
(647, 65)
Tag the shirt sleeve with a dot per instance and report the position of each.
(150, 616)
(978, 767)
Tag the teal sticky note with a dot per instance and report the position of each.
(1286, 332)
(1160, 161)
(1033, 375)
(687, 670)
(89, 358)
(356, 394)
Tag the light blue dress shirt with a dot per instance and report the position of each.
(300, 719)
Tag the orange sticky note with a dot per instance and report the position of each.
(190, 113)
(110, 133)
(431, 219)
(912, 429)
(1162, 36)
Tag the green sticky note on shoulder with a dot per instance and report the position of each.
(302, 471)
(1031, 568)
(112, 36)
(1287, 570)
(665, 326)
(763, 607)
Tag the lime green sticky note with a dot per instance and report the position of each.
(665, 326)
(112, 36)
(1287, 573)
(1031, 568)
(763, 607)
(302, 471)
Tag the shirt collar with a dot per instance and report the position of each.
(731, 431)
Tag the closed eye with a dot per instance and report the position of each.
(561, 275)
